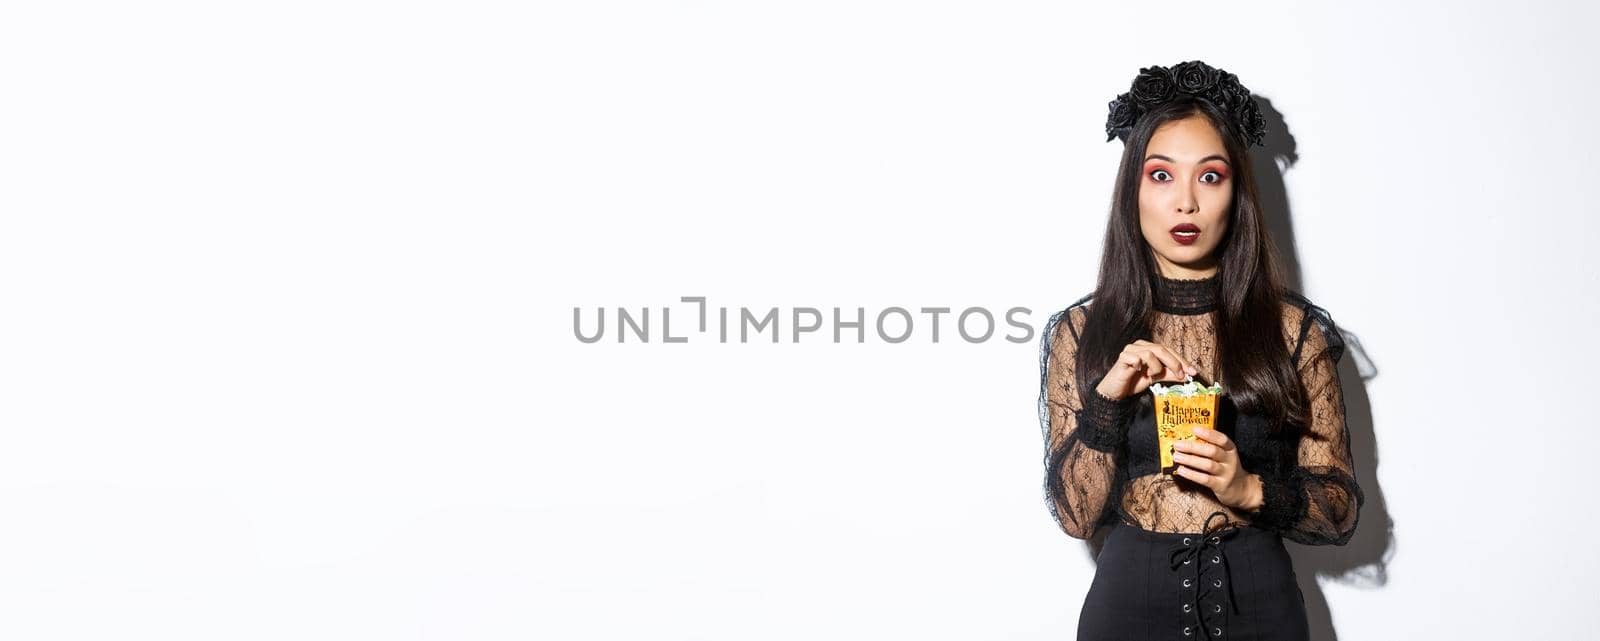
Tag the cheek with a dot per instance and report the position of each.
(1150, 225)
(1221, 203)
(1148, 217)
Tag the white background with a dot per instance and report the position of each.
(288, 293)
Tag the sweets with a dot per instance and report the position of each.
(1179, 409)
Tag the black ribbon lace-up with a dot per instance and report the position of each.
(1192, 552)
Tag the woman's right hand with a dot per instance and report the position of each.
(1140, 364)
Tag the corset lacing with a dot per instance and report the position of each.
(1195, 602)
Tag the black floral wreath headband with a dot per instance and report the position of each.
(1156, 85)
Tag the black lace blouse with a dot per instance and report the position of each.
(1102, 458)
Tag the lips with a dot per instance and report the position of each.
(1184, 233)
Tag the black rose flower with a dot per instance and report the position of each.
(1228, 93)
(1252, 125)
(1153, 86)
(1194, 76)
(1123, 112)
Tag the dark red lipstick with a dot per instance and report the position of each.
(1185, 233)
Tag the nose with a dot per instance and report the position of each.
(1187, 203)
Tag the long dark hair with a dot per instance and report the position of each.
(1256, 369)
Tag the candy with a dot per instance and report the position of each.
(1189, 387)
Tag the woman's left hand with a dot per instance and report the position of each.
(1213, 461)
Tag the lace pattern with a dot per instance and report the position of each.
(1183, 295)
(1087, 477)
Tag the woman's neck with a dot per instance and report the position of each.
(1185, 295)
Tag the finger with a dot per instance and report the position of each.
(1153, 366)
(1197, 463)
(1197, 448)
(1196, 476)
(1204, 450)
(1185, 364)
(1167, 357)
(1131, 361)
(1173, 361)
(1214, 437)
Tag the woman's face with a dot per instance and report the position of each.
(1185, 196)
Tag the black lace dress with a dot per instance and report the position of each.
(1178, 564)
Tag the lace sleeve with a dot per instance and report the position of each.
(1083, 432)
(1319, 502)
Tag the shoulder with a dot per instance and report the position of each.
(1067, 324)
(1309, 328)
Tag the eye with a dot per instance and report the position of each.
(1211, 172)
(1156, 175)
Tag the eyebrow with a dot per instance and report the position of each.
(1211, 157)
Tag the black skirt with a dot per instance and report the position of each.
(1230, 583)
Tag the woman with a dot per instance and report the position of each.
(1189, 286)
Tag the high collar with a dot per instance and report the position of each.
(1185, 296)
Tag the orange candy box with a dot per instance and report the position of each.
(1179, 409)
